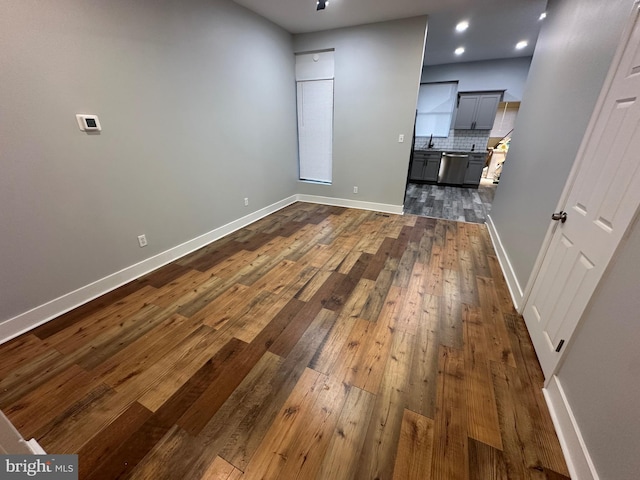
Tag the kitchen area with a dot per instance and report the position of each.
(473, 77)
(465, 116)
(446, 172)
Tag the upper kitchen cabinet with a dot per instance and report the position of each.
(477, 111)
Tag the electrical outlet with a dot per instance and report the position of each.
(246, 201)
(401, 138)
(142, 240)
(355, 189)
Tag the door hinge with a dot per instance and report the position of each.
(559, 347)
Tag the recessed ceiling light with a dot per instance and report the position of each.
(462, 26)
(520, 45)
(542, 16)
(459, 51)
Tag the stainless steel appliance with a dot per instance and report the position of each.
(453, 167)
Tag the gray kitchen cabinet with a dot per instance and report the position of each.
(417, 167)
(425, 166)
(466, 112)
(474, 168)
(477, 111)
(432, 167)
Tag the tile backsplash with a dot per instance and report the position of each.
(459, 140)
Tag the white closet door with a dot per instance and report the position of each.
(315, 129)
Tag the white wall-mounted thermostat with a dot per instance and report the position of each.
(88, 123)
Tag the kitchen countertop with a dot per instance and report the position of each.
(439, 150)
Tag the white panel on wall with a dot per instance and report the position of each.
(315, 129)
(315, 66)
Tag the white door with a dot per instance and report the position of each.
(602, 199)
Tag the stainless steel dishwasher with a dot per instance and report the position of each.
(453, 168)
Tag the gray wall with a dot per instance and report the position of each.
(377, 75)
(571, 60)
(601, 371)
(189, 130)
(506, 74)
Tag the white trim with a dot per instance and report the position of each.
(344, 202)
(317, 182)
(43, 313)
(11, 442)
(35, 447)
(507, 269)
(575, 450)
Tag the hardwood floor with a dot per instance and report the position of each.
(319, 342)
(450, 203)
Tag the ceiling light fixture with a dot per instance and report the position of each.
(542, 16)
(321, 4)
(462, 26)
(521, 44)
(459, 51)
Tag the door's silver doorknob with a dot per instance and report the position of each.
(562, 216)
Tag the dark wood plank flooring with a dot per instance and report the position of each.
(450, 203)
(319, 342)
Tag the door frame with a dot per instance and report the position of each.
(577, 164)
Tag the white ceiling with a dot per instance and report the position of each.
(493, 32)
(495, 25)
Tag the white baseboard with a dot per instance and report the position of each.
(43, 313)
(575, 450)
(343, 202)
(35, 447)
(37, 316)
(515, 290)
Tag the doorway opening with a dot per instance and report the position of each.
(454, 176)
(462, 134)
